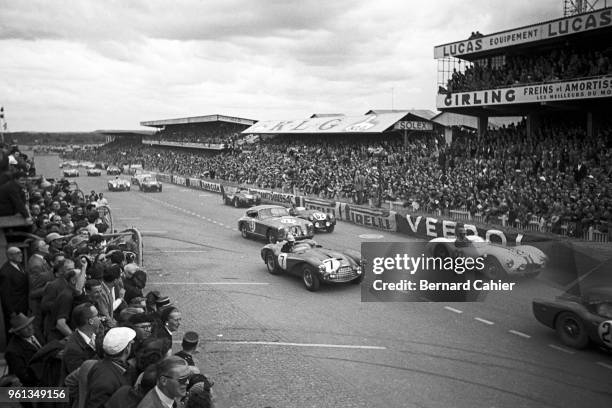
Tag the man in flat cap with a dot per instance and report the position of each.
(111, 373)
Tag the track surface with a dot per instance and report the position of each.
(267, 342)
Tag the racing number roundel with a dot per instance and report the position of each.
(287, 221)
(605, 332)
(282, 260)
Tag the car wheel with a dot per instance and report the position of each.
(236, 204)
(271, 263)
(440, 251)
(310, 278)
(493, 269)
(271, 237)
(571, 330)
(243, 230)
(330, 229)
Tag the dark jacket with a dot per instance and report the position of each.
(14, 290)
(18, 354)
(104, 379)
(12, 200)
(75, 353)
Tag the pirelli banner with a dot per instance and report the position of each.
(560, 91)
(325, 206)
(181, 181)
(274, 196)
(368, 217)
(193, 182)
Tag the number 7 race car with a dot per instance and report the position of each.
(313, 263)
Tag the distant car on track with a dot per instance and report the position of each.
(94, 172)
(113, 171)
(138, 177)
(118, 184)
(313, 263)
(149, 184)
(501, 262)
(322, 221)
(579, 320)
(239, 197)
(273, 222)
(71, 172)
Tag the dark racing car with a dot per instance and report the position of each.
(149, 184)
(274, 223)
(579, 320)
(321, 220)
(313, 263)
(239, 197)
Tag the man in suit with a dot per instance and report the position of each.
(172, 377)
(39, 273)
(21, 347)
(14, 285)
(81, 343)
(111, 373)
(12, 198)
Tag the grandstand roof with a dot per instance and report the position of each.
(593, 23)
(118, 132)
(372, 122)
(421, 113)
(198, 119)
(455, 119)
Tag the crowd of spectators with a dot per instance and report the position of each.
(557, 175)
(214, 133)
(555, 65)
(77, 313)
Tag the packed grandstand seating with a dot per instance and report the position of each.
(556, 181)
(555, 65)
(83, 306)
(215, 132)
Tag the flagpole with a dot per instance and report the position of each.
(2, 124)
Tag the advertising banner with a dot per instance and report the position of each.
(210, 186)
(325, 206)
(273, 196)
(194, 182)
(551, 29)
(368, 217)
(559, 91)
(413, 125)
(179, 180)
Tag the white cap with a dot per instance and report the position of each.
(117, 339)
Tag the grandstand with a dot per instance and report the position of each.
(558, 75)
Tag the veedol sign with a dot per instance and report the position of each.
(559, 91)
(537, 32)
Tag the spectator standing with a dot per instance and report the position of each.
(81, 343)
(172, 377)
(14, 286)
(39, 273)
(189, 347)
(21, 347)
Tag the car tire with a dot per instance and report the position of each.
(571, 330)
(494, 270)
(310, 278)
(271, 237)
(330, 229)
(271, 263)
(236, 204)
(244, 231)
(440, 251)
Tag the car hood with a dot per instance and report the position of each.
(285, 221)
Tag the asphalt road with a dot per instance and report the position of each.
(267, 342)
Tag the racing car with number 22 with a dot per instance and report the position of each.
(274, 223)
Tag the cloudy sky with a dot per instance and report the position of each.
(83, 65)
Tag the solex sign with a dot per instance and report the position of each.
(413, 125)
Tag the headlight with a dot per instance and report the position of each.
(604, 309)
(310, 218)
(331, 216)
(510, 263)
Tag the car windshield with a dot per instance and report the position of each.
(273, 212)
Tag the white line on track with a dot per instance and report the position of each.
(560, 349)
(153, 232)
(129, 218)
(452, 309)
(209, 283)
(278, 343)
(481, 320)
(601, 363)
(182, 252)
(521, 334)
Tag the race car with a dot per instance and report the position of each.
(113, 170)
(87, 165)
(137, 178)
(94, 172)
(313, 263)
(321, 220)
(273, 222)
(500, 262)
(239, 197)
(71, 172)
(69, 163)
(579, 320)
(118, 184)
(150, 184)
